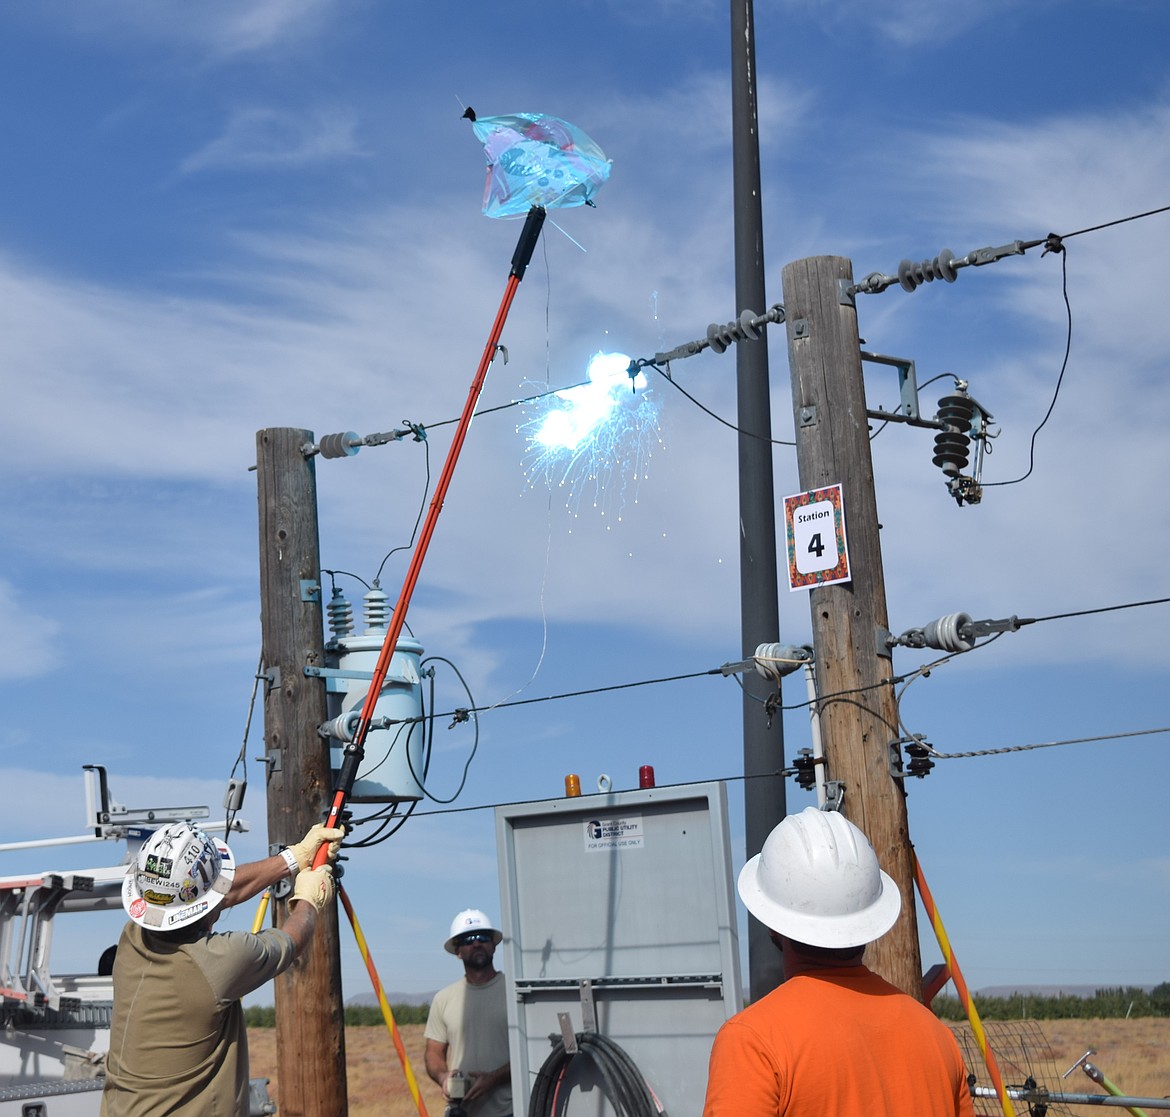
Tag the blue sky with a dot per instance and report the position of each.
(226, 217)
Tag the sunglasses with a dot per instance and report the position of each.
(473, 936)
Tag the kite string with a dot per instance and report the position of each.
(548, 511)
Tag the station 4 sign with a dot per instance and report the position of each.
(814, 524)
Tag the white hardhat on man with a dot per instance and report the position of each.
(179, 876)
(470, 920)
(817, 881)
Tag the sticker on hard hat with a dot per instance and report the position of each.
(614, 833)
(159, 866)
(137, 907)
(188, 914)
(160, 898)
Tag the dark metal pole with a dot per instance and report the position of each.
(763, 746)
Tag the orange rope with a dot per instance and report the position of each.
(387, 1013)
(961, 985)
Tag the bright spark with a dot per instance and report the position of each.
(597, 436)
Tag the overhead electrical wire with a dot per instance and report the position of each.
(1041, 744)
(1053, 244)
(718, 418)
(1059, 378)
(921, 672)
(241, 762)
(738, 777)
(421, 779)
(462, 712)
(1118, 221)
(417, 520)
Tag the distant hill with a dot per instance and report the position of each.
(393, 998)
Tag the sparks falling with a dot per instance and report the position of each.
(594, 441)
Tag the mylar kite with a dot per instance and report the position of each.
(537, 160)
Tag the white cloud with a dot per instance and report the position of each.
(906, 23)
(29, 637)
(222, 28)
(257, 138)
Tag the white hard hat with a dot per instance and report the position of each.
(470, 920)
(179, 875)
(817, 881)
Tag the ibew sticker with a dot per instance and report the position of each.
(614, 833)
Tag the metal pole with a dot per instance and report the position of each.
(1020, 1093)
(763, 745)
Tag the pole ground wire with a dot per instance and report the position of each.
(625, 1087)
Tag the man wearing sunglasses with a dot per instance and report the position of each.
(467, 1027)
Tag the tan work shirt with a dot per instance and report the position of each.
(178, 1046)
(473, 1021)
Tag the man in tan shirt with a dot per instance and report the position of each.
(467, 1027)
(178, 1045)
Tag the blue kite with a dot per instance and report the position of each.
(537, 160)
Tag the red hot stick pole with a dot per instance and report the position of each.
(355, 748)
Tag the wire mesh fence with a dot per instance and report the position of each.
(1026, 1061)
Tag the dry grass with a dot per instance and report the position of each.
(1134, 1054)
(374, 1077)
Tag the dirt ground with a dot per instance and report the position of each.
(1133, 1054)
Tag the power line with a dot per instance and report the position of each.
(1103, 609)
(464, 712)
(1059, 379)
(942, 266)
(718, 418)
(544, 798)
(921, 672)
(1040, 745)
(514, 403)
(1119, 221)
(739, 777)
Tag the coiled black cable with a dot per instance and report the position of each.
(624, 1085)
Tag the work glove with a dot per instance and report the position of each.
(306, 849)
(315, 886)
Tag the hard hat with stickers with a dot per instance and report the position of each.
(178, 877)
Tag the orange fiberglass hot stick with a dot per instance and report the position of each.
(355, 748)
(387, 1012)
(940, 933)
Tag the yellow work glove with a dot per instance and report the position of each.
(306, 849)
(315, 886)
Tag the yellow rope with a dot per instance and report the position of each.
(387, 1013)
(961, 985)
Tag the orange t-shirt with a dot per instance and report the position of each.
(842, 1043)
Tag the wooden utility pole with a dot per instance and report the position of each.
(310, 1032)
(859, 724)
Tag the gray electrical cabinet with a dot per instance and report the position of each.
(618, 917)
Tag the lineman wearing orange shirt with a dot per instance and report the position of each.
(834, 1040)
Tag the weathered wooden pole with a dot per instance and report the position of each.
(310, 1032)
(859, 724)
